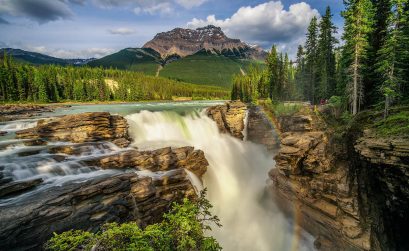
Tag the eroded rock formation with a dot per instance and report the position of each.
(137, 186)
(229, 117)
(349, 190)
(312, 180)
(78, 128)
(87, 205)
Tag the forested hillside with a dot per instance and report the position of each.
(370, 67)
(50, 83)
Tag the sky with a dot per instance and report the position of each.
(95, 28)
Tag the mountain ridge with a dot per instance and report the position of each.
(185, 42)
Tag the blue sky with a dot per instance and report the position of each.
(94, 28)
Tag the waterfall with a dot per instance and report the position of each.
(236, 180)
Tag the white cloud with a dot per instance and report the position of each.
(188, 4)
(265, 24)
(69, 54)
(160, 8)
(121, 31)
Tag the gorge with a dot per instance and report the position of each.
(72, 169)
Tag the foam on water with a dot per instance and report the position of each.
(236, 180)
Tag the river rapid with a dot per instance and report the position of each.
(236, 178)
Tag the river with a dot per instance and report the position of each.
(236, 178)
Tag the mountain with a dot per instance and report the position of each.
(39, 59)
(136, 59)
(185, 42)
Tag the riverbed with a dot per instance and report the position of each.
(236, 178)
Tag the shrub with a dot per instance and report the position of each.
(181, 229)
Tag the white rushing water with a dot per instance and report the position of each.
(236, 180)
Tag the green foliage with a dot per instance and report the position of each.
(51, 83)
(182, 229)
(394, 125)
(206, 69)
(71, 240)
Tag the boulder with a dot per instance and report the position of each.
(79, 128)
(229, 117)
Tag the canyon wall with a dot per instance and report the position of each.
(349, 190)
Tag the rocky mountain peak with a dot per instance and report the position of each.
(184, 42)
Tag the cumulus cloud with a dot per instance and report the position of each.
(121, 31)
(41, 11)
(265, 24)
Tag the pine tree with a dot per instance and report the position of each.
(311, 65)
(326, 57)
(391, 60)
(358, 24)
(300, 74)
(273, 72)
(372, 77)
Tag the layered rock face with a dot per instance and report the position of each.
(78, 128)
(229, 117)
(123, 197)
(184, 42)
(382, 165)
(136, 186)
(312, 180)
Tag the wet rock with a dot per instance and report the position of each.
(15, 187)
(157, 160)
(79, 128)
(87, 205)
(229, 117)
(2, 133)
(14, 112)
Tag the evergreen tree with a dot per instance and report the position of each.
(311, 65)
(358, 24)
(300, 74)
(391, 61)
(273, 72)
(326, 60)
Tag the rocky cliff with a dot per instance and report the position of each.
(312, 181)
(229, 117)
(184, 42)
(136, 186)
(351, 191)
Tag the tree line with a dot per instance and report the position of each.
(51, 83)
(368, 67)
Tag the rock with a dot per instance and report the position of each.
(87, 205)
(79, 128)
(229, 117)
(260, 130)
(15, 112)
(2, 133)
(157, 160)
(15, 187)
(314, 176)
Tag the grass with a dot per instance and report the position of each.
(216, 70)
(394, 125)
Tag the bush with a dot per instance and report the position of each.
(181, 229)
(394, 125)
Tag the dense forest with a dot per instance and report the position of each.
(369, 67)
(50, 83)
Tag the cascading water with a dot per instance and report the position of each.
(236, 180)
